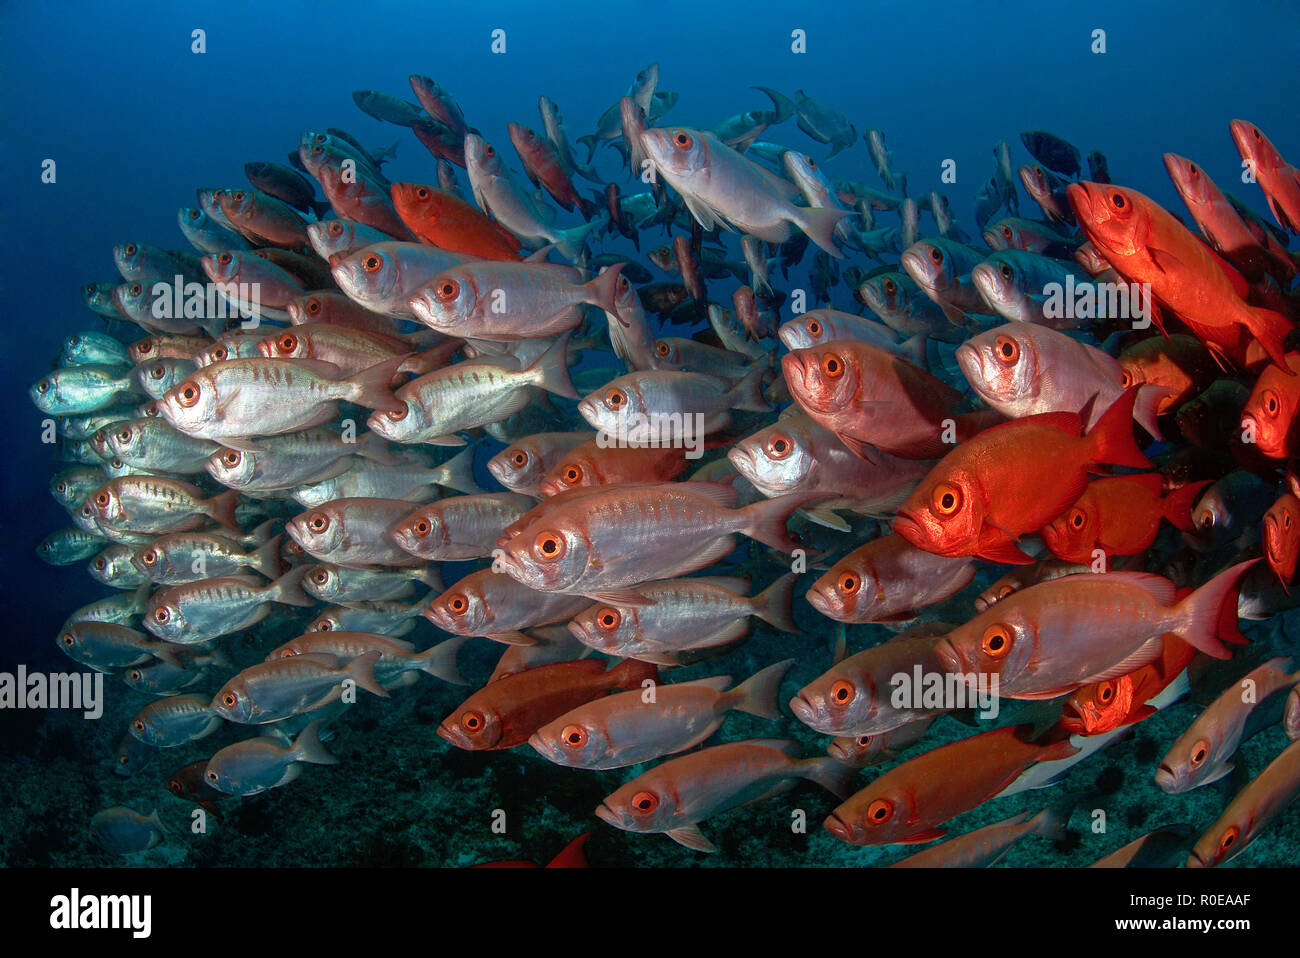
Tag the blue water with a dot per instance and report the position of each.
(135, 122)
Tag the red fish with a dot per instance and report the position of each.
(571, 856)
(543, 166)
(1282, 537)
(1279, 180)
(1146, 244)
(1014, 479)
(590, 464)
(908, 803)
(1269, 416)
(505, 713)
(1107, 705)
(448, 222)
(1119, 516)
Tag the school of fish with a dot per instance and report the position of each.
(1091, 405)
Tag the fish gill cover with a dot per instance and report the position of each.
(472, 436)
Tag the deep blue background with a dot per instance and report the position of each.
(136, 122)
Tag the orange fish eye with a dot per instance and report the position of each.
(130, 249)
(615, 398)
(996, 642)
(848, 583)
(520, 459)
(230, 700)
(188, 395)
(946, 499)
(812, 164)
(472, 721)
(1007, 350)
(43, 386)
(313, 306)
(662, 349)
(371, 263)
(815, 328)
(125, 435)
(573, 475)
(832, 366)
(549, 547)
(683, 140)
(318, 522)
(102, 500)
(574, 736)
(210, 774)
(135, 675)
(458, 604)
(238, 196)
(422, 193)
(1200, 752)
(334, 228)
(397, 415)
(232, 457)
(175, 787)
(609, 619)
(224, 259)
(864, 740)
(138, 725)
(1271, 403)
(645, 801)
(779, 446)
(422, 527)
(320, 576)
(1229, 837)
(936, 254)
(1077, 518)
(150, 557)
(447, 290)
(69, 640)
(288, 343)
(100, 563)
(161, 615)
(144, 347)
(843, 692)
(219, 353)
(136, 289)
(490, 150)
(1125, 379)
(325, 625)
(1006, 232)
(158, 372)
(880, 811)
(1105, 692)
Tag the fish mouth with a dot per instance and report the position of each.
(453, 736)
(1080, 200)
(948, 656)
(821, 601)
(1166, 779)
(971, 362)
(837, 827)
(608, 815)
(1194, 856)
(803, 710)
(543, 748)
(909, 528)
(743, 460)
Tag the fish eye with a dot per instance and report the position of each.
(863, 741)
(325, 625)
(812, 164)
(996, 642)
(125, 435)
(219, 353)
(1007, 272)
(288, 343)
(397, 415)
(645, 801)
(320, 576)
(1007, 350)
(1271, 403)
(161, 615)
(230, 700)
(334, 228)
(574, 736)
(194, 214)
(69, 640)
(238, 196)
(1191, 168)
(880, 811)
(158, 372)
(313, 306)
(317, 151)
(549, 547)
(843, 692)
(848, 583)
(458, 604)
(135, 675)
(1105, 693)
(1125, 379)
(422, 527)
(490, 150)
(1200, 752)
(472, 721)
(144, 347)
(1077, 518)
(422, 193)
(232, 457)
(573, 475)
(102, 500)
(43, 386)
(520, 459)
(1229, 837)
(832, 366)
(318, 522)
(371, 263)
(779, 446)
(815, 328)
(61, 487)
(1286, 521)
(615, 398)
(448, 289)
(100, 563)
(225, 259)
(890, 286)
(136, 289)
(1117, 199)
(662, 349)
(175, 787)
(683, 140)
(188, 395)
(130, 249)
(936, 254)
(149, 557)
(138, 725)
(1006, 232)
(609, 619)
(945, 500)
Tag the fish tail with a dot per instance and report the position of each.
(266, 559)
(440, 660)
(605, 287)
(631, 673)
(1053, 821)
(551, 369)
(829, 774)
(459, 472)
(773, 604)
(760, 693)
(1111, 439)
(260, 533)
(287, 590)
(362, 671)
(431, 577)
(221, 508)
(371, 387)
(571, 242)
(1269, 329)
(748, 393)
(307, 747)
(1210, 613)
(820, 225)
(765, 520)
(1178, 504)
(1146, 408)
